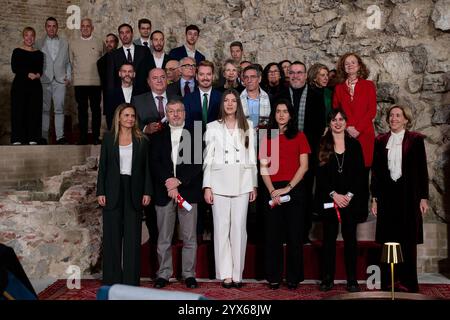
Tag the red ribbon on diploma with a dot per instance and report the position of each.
(180, 201)
(338, 213)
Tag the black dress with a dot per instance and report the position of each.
(26, 96)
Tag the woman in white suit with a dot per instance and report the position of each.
(229, 182)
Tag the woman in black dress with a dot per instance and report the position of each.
(26, 92)
(399, 188)
(338, 192)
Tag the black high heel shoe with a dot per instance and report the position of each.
(227, 285)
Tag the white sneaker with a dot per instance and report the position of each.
(16, 143)
(32, 142)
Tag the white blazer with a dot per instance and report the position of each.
(229, 167)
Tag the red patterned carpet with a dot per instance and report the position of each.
(213, 290)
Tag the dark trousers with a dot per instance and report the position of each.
(26, 111)
(122, 223)
(285, 222)
(405, 273)
(330, 231)
(88, 96)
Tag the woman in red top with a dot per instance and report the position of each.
(357, 97)
(284, 161)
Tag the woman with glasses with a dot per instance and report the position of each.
(272, 79)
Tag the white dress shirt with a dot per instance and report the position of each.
(125, 49)
(127, 92)
(175, 136)
(159, 61)
(208, 96)
(53, 46)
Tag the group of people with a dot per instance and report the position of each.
(179, 141)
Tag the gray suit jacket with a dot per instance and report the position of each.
(138, 42)
(58, 69)
(146, 108)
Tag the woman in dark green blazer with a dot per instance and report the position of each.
(123, 188)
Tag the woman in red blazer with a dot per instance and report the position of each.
(357, 97)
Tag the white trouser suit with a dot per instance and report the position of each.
(230, 171)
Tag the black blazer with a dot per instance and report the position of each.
(113, 98)
(328, 179)
(108, 180)
(146, 108)
(141, 62)
(189, 172)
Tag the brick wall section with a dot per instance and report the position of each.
(22, 164)
(432, 255)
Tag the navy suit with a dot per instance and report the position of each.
(179, 53)
(193, 106)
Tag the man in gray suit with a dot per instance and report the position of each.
(57, 75)
(150, 106)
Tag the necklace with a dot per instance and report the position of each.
(340, 165)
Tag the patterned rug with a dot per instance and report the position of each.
(213, 290)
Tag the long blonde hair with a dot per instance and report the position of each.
(135, 131)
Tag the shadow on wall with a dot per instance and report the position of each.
(444, 265)
(5, 111)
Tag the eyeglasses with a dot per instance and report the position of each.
(188, 65)
(273, 72)
(171, 69)
(297, 73)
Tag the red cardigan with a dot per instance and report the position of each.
(360, 113)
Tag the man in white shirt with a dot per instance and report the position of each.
(122, 94)
(159, 57)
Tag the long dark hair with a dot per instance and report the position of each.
(326, 148)
(292, 125)
(240, 116)
(265, 75)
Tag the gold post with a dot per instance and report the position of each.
(392, 254)
(392, 281)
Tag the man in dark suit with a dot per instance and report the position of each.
(150, 111)
(159, 58)
(311, 107)
(188, 49)
(204, 103)
(176, 166)
(186, 84)
(120, 95)
(150, 105)
(139, 56)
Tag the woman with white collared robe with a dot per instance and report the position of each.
(229, 182)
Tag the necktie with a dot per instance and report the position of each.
(187, 90)
(145, 43)
(129, 58)
(205, 108)
(160, 106)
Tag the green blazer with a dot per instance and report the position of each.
(108, 180)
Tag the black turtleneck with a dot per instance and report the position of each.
(296, 95)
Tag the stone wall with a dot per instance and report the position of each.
(55, 226)
(23, 166)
